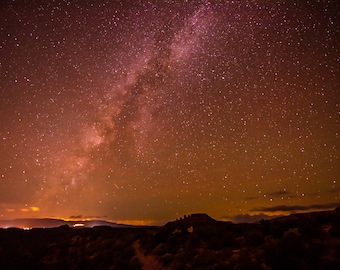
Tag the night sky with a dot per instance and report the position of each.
(143, 111)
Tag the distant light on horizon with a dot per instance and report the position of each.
(77, 225)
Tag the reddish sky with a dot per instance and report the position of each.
(150, 110)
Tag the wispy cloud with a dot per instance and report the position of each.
(76, 217)
(334, 190)
(251, 198)
(272, 194)
(278, 193)
(246, 218)
(293, 208)
(86, 217)
(95, 217)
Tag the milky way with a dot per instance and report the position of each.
(143, 111)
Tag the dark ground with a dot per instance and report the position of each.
(307, 241)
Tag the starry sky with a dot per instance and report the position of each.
(143, 111)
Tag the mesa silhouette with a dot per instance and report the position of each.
(196, 241)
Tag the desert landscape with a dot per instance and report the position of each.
(196, 241)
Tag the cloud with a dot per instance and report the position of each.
(95, 217)
(246, 218)
(251, 198)
(86, 217)
(334, 190)
(293, 208)
(75, 217)
(278, 193)
(272, 194)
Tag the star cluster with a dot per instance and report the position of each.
(143, 111)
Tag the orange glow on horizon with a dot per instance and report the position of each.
(35, 209)
(137, 222)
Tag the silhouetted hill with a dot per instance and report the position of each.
(193, 219)
(32, 223)
(52, 223)
(197, 241)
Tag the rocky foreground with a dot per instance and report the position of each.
(306, 241)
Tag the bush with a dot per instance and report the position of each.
(286, 253)
(166, 259)
(229, 239)
(215, 243)
(254, 238)
(310, 229)
(334, 231)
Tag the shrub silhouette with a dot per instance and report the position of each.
(167, 259)
(334, 231)
(302, 242)
(287, 253)
(254, 238)
(215, 243)
(309, 229)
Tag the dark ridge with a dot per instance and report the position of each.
(320, 216)
(193, 219)
(197, 241)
